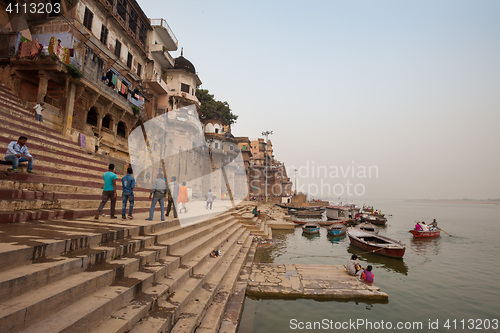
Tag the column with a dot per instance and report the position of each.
(69, 108)
(43, 82)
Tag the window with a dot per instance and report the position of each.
(121, 129)
(244, 147)
(216, 145)
(87, 19)
(104, 34)
(139, 69)
(185, 88)
(92, 116)
(132, 21)
(121, 9)
(231, 147)
(106, 122)
(129, 60)
(217, 131)
(118, 49)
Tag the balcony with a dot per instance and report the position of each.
(166, 34)
(161, 56)
(158, 85)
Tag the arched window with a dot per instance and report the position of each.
(121, 129)
(107, 122)
(92, 116)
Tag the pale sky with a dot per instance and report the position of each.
(409, 87)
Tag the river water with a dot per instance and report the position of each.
(447, 284)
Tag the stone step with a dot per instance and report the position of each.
(166, 312)
(44, 142)
(30, 242)
(234, 307)
(58, 160)
(17, 124)
(81, 317)
(175, 242)
(20, 312)
(210, 302)
(123, 320)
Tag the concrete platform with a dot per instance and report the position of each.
(309, 281)
(280, 225)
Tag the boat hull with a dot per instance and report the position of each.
(336, 231)
(425, 234)
(394, 250)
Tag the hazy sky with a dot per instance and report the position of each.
(411, 88)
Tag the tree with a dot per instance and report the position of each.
(210, 108)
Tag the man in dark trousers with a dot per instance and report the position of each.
(128, 184)
(108, 191)
(172, 197)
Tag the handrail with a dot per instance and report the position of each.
(163, 23)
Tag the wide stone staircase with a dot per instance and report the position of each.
(68, 181)
(87, 276)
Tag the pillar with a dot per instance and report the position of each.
(69, 108)
(43, 82)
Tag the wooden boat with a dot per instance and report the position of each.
(368, 227)
(336, 229)
(426, 234)
(373, 218)
(311, 228)
(376, 243)
(297, 221)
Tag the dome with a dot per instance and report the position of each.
(184, 64)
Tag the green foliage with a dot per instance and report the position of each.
(212, 109)
(74, 72)
(136, 110)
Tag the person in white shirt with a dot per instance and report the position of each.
(425, 227)
(38, 111)
(17, 151)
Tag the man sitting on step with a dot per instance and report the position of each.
(17, 151)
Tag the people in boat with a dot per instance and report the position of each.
(425, 227)
(433, 225)
(418, 227)
(353, 266)
(255, 212)
(367, 275)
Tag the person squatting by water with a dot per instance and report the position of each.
(128, 184)
(353, 266)
(367, 275)
(108, 191)
(158, 194)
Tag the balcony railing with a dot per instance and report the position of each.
(162, 23)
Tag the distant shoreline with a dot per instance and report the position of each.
(457, 201)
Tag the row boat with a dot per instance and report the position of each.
(376, 243)
(425, 234)
(368, 227)
(311, 228)
(336, 229)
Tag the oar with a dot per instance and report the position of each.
(444, 231)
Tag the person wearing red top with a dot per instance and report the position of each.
(367, 275)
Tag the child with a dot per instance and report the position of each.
(367, 275)
(353, 266)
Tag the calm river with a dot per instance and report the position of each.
(450, 283)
